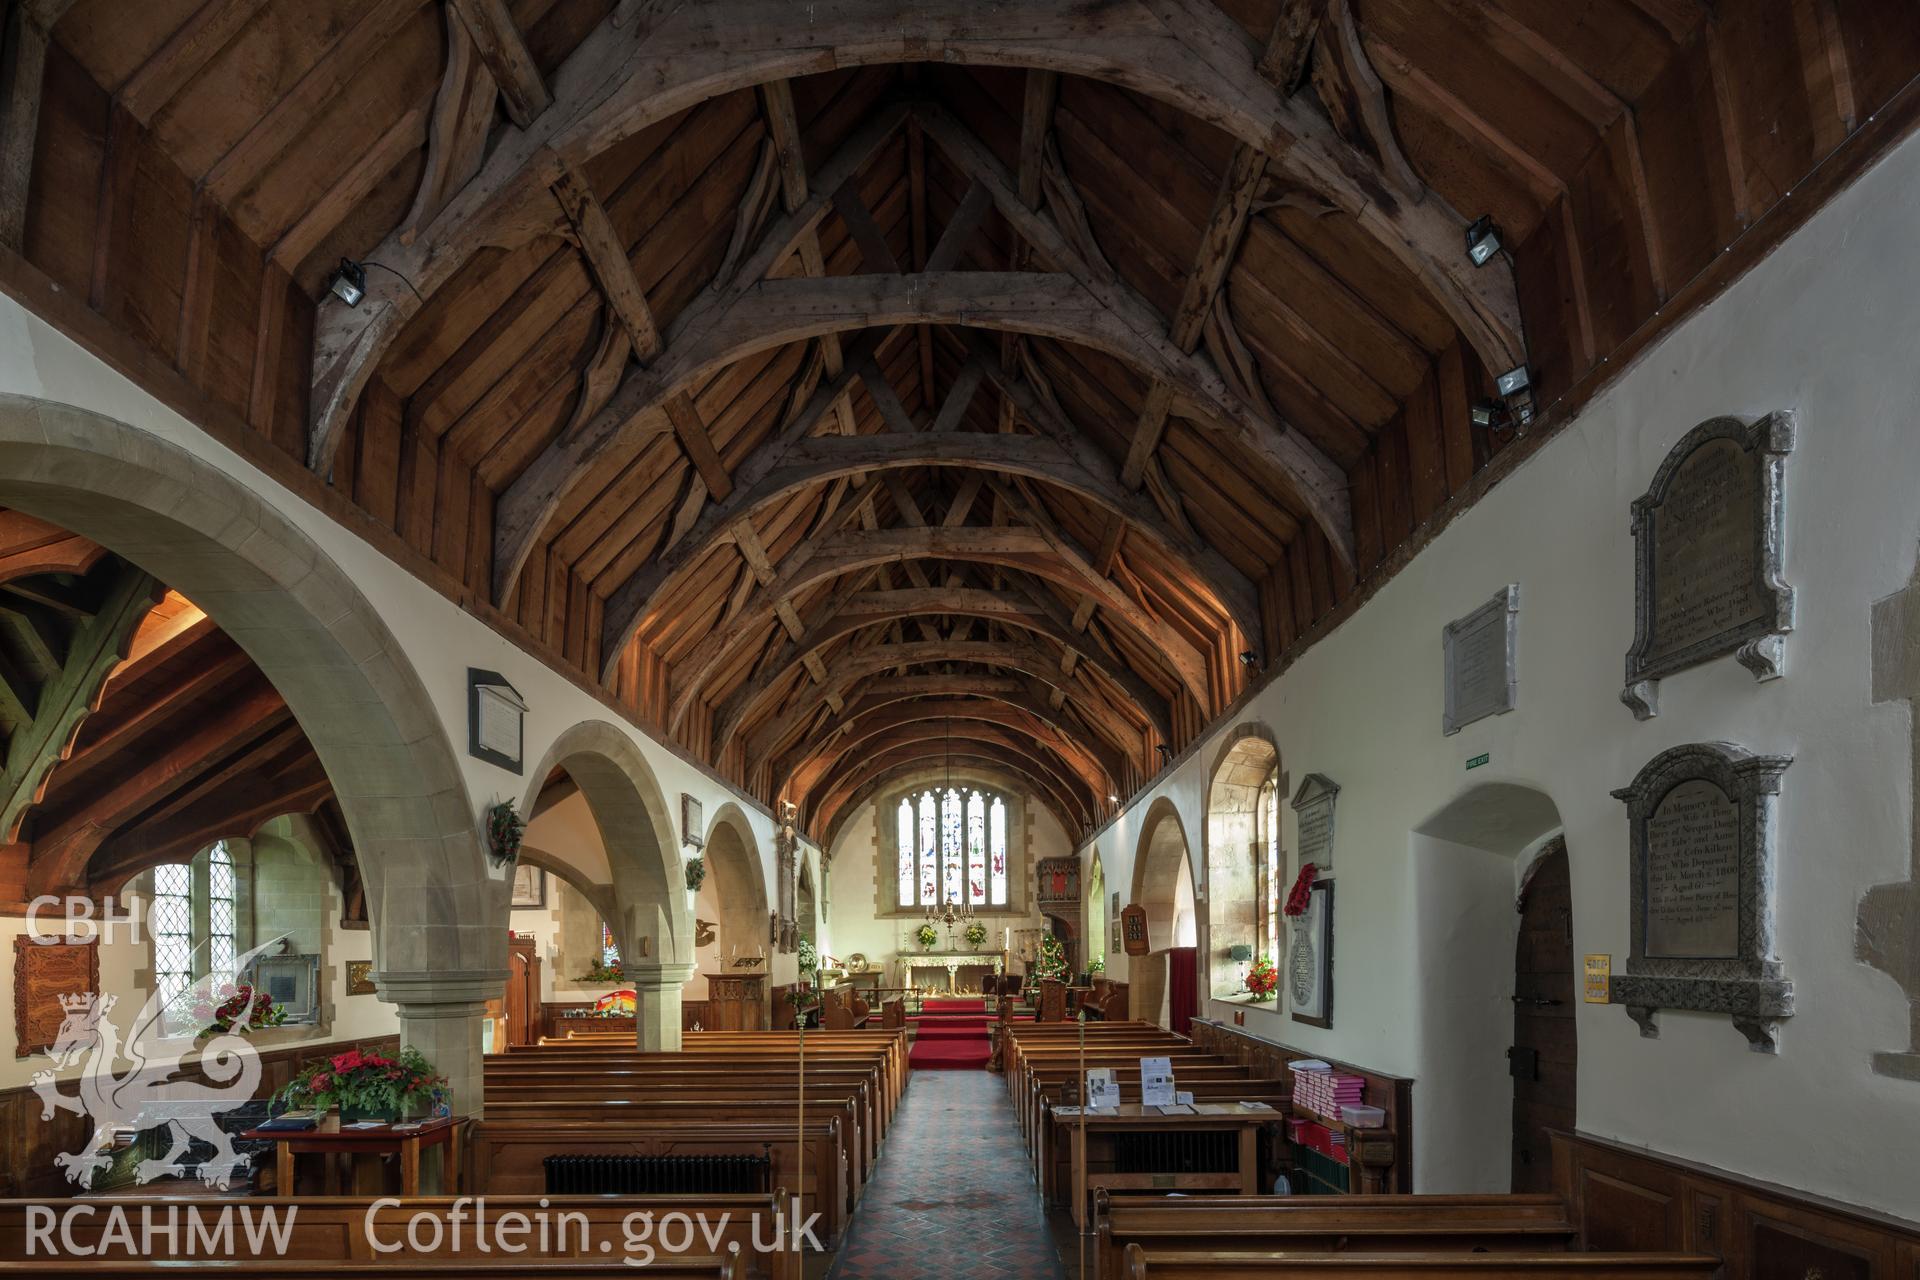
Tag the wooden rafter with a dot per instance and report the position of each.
(26, 28)
(501, 47)
(966, 739)
(629, 74)
(805, 758)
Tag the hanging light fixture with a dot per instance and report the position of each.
(946, 911)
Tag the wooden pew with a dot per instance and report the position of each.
(509, 1154)
(1095, 1144)
(1141, 1264)
(682, 1268)
(334, 1228)
(1049, 1154)
(1326, 1224)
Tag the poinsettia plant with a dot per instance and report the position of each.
(1302, 891)
(362, 1081)
(1263, 979)
(241, 1009)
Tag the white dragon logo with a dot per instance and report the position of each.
(146, 1092)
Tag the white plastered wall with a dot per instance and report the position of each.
(1823, 327)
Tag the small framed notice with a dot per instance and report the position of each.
(1156, 1082)
(1599, 979)
(1103, 1089)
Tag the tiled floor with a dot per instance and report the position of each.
(952, 1197)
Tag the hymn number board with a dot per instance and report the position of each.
(1707, 540)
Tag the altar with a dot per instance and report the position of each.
(948, 972)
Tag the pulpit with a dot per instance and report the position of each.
(737, 1001)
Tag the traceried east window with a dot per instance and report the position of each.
(952, 848)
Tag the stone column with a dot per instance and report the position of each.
(656, 1000)
(441, 1015)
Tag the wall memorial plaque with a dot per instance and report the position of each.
(1133, 930)
(1309, 971)
(1701, 825)
(1707, 541)
(1313, 810)
(1478, 652)
(45, 976)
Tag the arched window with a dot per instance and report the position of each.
(192, 922)
(952, 847)
(609, 949)
(1267, 864)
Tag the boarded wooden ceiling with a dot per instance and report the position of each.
(1044, 371)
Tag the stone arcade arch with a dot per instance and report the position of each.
(438, 914)
(1234, 834)
(737, 881)
(1160, 862)
(1470, 863)
(651, 918)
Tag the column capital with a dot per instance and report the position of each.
(442, 993)
(657, 976)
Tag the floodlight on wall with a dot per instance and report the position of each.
(1249, 659)
(1165, 751)
(1488, 415)
(1483, 241)
(349, 283)
(1514, 381)
(1113, 799)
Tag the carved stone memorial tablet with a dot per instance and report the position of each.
(1707, 557)
(1313, 807)
(1478, 652)
(1701, 825)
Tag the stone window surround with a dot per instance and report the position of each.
(886, 851)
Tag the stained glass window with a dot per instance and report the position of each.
(997, 866)
(950, 847)
(907, 854)
(171, 924)
(609, 949)
(221, 950)
(929, 867)
(976, 848)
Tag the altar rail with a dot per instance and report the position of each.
(1268, 1060)
(1621, 1197)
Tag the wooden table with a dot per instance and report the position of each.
(329, 1139)
(1103, 1125)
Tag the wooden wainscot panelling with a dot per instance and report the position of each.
(1624, 1198)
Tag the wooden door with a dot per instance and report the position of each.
(523, 992)
(1544, 1059)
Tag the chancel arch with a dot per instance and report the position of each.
(1245, 865)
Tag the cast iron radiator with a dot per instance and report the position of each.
(1201, 1152)
(658, 1175)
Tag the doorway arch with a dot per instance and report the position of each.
(1243, 854)
(1161, 866)
(1471, 860)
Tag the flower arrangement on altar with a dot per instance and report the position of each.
(976, 934)
(809, 957)
(368, 1084)
(1263, 980)
(1302, 891)
(926, 935)
(1052, 962)
(241, 1009)
(603, 972)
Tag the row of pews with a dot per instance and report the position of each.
(1140, 1232)
(727, 1106)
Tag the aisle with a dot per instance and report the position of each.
(950, 1035)
(953, 1196)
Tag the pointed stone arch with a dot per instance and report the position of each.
(1236, 881)
(1159, 859)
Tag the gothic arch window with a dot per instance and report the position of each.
(950, 846)
(1267, 869)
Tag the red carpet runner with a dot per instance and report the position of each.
(950, 1035)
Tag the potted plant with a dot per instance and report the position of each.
(927, 936)
(241, 1009)
(809, 957)
(976, 935)
(1096, 965)
(369, 1086)
(1263, 980)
